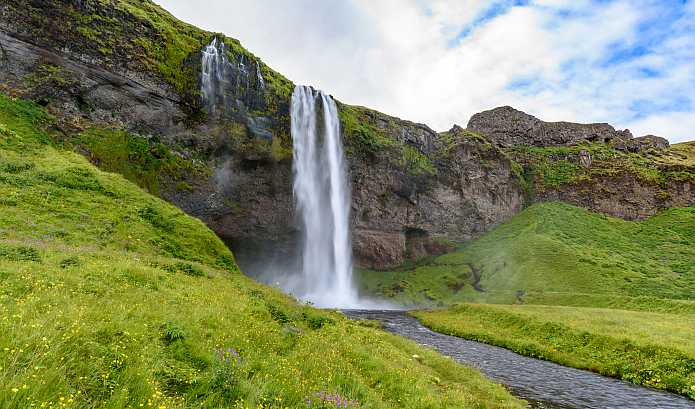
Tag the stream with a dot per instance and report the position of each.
(543, 384)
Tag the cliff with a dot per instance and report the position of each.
(126, 82)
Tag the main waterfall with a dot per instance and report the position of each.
(322, 201)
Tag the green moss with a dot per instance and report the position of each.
(48, 74)
(363, 137)
(415, 162)
(146, 162)
(360, 134)
(279, 152)
(554, 167)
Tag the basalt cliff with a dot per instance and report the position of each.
(133, 91)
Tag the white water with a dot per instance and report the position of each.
(322, 201)
(211, 72)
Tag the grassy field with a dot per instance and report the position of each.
(652, 349)
(554, 253)
(111, 298)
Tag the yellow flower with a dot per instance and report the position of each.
(15, 390)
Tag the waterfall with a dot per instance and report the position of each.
(322, 201)
(213, 64)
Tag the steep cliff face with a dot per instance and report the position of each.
(126, 81)
(133, 92)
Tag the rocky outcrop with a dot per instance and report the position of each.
(471, 187)
(623, 195)
(641, 143)
(509, 127)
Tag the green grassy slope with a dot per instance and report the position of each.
(651, 349)
(560, 254)
(112, 298)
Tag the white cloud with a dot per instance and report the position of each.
(402, 57)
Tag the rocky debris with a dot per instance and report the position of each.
(509, 127)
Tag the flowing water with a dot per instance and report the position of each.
(213, 61)
(544, 384)
(322, 201)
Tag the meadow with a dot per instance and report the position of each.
(111, 298)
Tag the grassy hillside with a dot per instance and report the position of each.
(112, 298)
(651, 349)
(555, 253)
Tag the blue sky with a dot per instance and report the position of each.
(627, 62)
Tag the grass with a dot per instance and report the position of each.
(560, 254)
(144, 161)
(651, 349)
(552, 167)
(109, 297)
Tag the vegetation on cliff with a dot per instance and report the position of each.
(548, 168)
(136, 35)
(651, 349)
(110, 297)
(371, 134)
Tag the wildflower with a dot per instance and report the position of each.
(15, 390)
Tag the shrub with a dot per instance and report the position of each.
(20, 253)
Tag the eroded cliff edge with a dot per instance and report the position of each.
(124, 79)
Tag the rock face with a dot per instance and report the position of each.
(412, 190)
(509, 127)
(641, 144)
(623, 195)
(97, 64)
(399, 212)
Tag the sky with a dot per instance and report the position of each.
(630, 63)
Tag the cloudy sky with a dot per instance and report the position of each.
(627, 62)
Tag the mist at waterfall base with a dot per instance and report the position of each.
(322, 202)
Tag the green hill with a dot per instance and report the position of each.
(110, 297)
(555, 253)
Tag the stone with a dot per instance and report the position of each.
(585, 158)
(509, 127)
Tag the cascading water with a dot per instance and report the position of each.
(322, 273)
(213, 61)
(322, 201)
